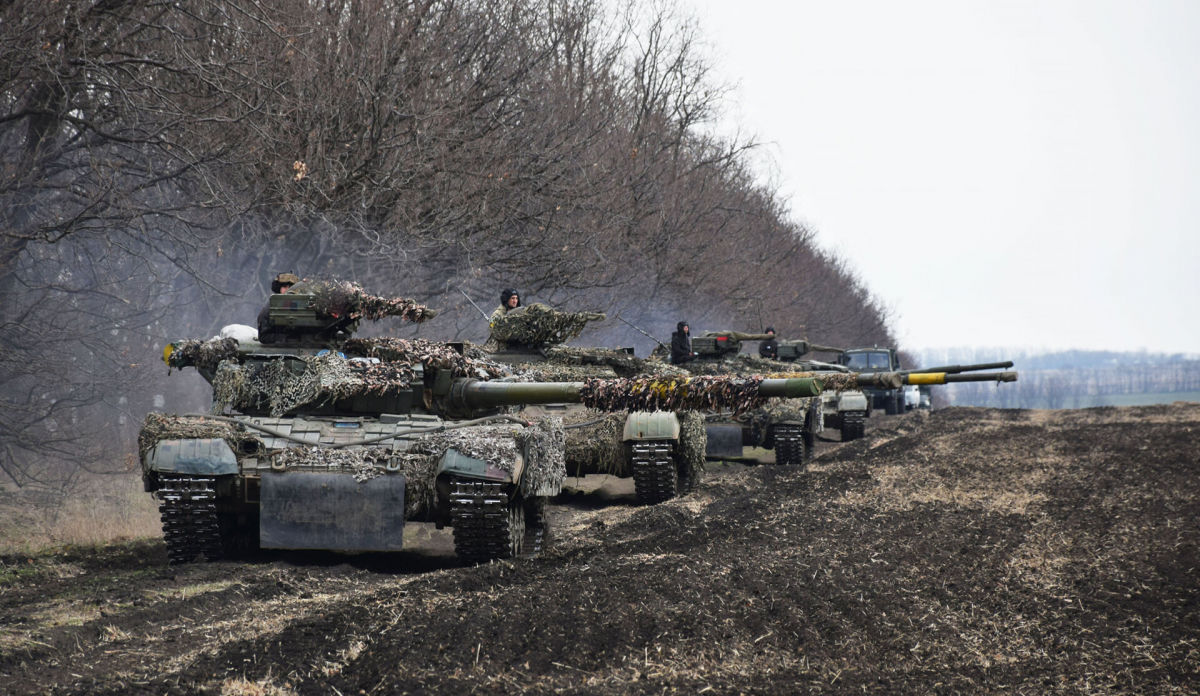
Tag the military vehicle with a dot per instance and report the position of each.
(789, 427)
(662, 451)
(845, 410)
(319, 440)
(892, 399)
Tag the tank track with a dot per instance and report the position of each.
(791, 447)
(188, 508)
(655, 475)
(489, 526)
(854, 425)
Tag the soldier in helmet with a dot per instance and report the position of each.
(681, 344)
(509, 300)
(279, 285)
(769, 348)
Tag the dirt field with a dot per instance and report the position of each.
(963, 551)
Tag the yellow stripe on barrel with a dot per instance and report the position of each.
(927, 378)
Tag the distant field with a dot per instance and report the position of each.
(1141, 399)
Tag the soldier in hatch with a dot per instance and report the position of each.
(509, 300)
(279, 285)
(681, 344)
(769, 348)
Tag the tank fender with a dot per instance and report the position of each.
(459, 464)
(647, 425)
(207, 457)
(852, 401)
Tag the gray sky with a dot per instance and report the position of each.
(1019, 174)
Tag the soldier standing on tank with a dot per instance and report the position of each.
(681, 344)
(769, 348)
(279, 285)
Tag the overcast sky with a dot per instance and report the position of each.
(1019, 174)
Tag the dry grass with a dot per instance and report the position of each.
(100, 510)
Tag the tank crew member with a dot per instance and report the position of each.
(681, 344)
(770, 347)
(509, 299)
(279, 285)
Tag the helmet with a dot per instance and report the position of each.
(769, 329)
(507, 293)
(283, 279)
(680, 325)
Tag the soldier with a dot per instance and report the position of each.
(769, 348)
(509, 300)
(279, 285)
(681, 344)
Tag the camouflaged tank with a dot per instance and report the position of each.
(845, 410)
(787, 426)
(318, 440)
(663, 452)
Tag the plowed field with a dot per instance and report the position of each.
(960, 551)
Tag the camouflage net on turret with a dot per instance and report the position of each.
(341, 298)
(672, 394)
(202, 354)
(282, 386)
(431, 354)
(159, 426)
(539, 325)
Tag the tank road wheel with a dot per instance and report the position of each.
(655, 475)
(790, 445)
(188, 508)
(487, 524)
(853, 425)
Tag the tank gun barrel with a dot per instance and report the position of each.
(895, 380)
(695, 393)
(955, 369)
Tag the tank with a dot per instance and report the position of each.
(662, 451)
(845, 410)
(789, 427)
(319, 440)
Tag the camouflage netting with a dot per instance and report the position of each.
(541, 445)
(709, 393)
(202, 354)
(431, 354)
(158, 427)
(368, 462)
(539, 325)
(545, 469)
(693, 443)
(596, 448)
(283, 385)
(741, 364)
(341, 298)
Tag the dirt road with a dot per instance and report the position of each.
(967, 550)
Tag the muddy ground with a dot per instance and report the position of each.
(960, 551)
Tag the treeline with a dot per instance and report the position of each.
(162, 160)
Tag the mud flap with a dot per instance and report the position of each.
(724, 440)
(332, 512)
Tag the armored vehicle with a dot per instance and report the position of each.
(789, 427)
(845, 410)
(318, 440)
(662, 451)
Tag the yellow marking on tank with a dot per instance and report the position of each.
(927, 378)
(167, 351)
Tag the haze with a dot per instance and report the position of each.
(1017, 174)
